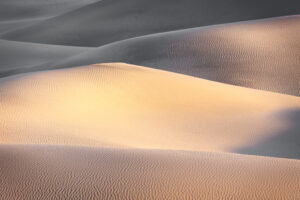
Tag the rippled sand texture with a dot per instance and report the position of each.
(132, 106)
(150, 99)
(261, 54)
(43, 172)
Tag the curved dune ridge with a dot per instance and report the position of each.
(149, 99)
(15, 14)
(20, 10)
(121, 105)
(261, 54)
(108, 21)
(18, 57)
(50, 172)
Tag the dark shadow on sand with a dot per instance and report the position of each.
(285, 144)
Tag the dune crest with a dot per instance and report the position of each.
(108, 21)
(150, 99)
(20, 57)
(17, 14)
(260, 54)
(121, 105)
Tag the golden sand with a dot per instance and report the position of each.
(121, 105)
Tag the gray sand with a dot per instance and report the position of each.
(113, 20)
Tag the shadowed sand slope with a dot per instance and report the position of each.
(17, 57)
(9, 25)
(17, 13)
(272, 146)
(113, 20)
(43, 172)
(262, 54)
(132, 106)
(19, 9)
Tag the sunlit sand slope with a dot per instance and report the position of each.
(262, 54)
(108, 21)
(131, 106)
(43, 172)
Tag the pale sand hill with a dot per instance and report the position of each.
(131, 106)
(108, 21)
(18, 57)
(49, 172)
(262, 54)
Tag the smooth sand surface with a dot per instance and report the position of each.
(260, 54)
(20, 9)
(18, 57)
(15, 14)
(108, 21)
(10, 25)
(51, 172)
(121, 105)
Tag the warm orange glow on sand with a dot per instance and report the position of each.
(120, 105)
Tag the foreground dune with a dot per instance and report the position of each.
(108, 21)
(51, 172)
(120, 105)
(262, 54)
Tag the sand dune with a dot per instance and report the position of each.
(17, 57)
(113, 20)
(16, 14)
(11, 25)
(120, 105)
(20, 9)
(261, 54)
(43, 172)
(208, 106)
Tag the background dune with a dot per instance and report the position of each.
(17, 57)
(86, 173)
(108, 21)
(16, 14)
(262, 54)
(130, 106)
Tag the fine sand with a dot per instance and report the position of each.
(108, 21)
(192, 99)
(120, 105)
(260, 54)
(51, 172)
(16, 14)
(20, 9)
(18, 57)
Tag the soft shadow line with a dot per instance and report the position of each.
(284, 144)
